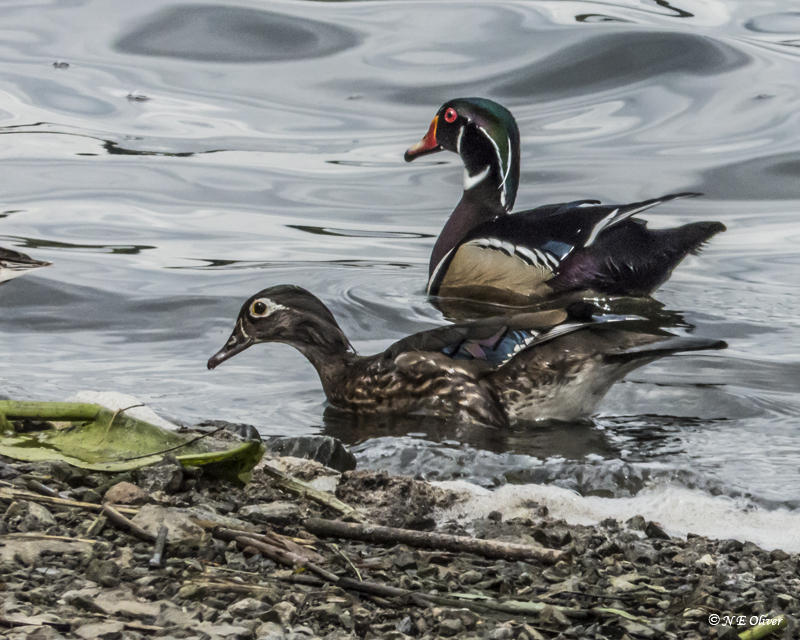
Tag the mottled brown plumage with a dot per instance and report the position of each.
(554, 364)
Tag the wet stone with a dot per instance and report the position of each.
(111, 630)
(324, 449)
(271, 513)
(281, 612)
(471, 577)
(405, 560)
(23, 515)
(125, 493)
(269, 631)
(636, 522)
(166, 476)
(653, 530)
(106, 573)
(450, 627)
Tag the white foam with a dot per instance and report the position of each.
(678, 510)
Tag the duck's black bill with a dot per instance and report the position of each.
(237, 343)
(427, 145)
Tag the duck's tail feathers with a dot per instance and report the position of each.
(666, 347)
(623, 212)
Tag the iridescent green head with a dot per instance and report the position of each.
(485, 135)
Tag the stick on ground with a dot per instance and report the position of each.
(431, 540)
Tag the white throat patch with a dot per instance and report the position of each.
(471, 181)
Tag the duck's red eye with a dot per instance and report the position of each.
(450, 115)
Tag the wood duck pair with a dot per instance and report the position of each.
(554, 364)
(13, 264)
(483, 253)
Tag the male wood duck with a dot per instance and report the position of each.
(550, 365)
(13, 264)
(483, 253)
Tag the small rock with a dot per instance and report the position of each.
(180, 526)
(471, 577)
(705, 561)
(551, 616)
(637, 629)
(103, 572)
(166, 476)
(778, 555)
(730, 546)
(451, 626)
(282, 612)
(110, 630)
(608, 548)
(636, 522)
(324, 449)
(270, 631)
(278, 512)
(191, 592)
(495, 516)
(248, 608)
(405, 560)
(653, 530)
(218, 631)
(502, 632)
(125, 493)
(641, 552)
(23, 516)
(724, 632)
(406, 626)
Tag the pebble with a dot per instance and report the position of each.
(450, 627)
(125, 493)
(280, 512)
(673, 583)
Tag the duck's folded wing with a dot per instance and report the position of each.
(488, 344)
(522, 252)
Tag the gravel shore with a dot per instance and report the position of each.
(242, 562)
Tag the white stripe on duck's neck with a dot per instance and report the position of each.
(472, 180)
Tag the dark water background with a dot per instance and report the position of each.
(193, 153)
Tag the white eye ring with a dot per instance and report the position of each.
(264, 307)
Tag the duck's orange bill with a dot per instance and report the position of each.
(427, 145)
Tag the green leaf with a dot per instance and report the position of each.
(92, 437)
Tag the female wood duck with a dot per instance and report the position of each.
(485, 254)
(553, 365)
(13, 264)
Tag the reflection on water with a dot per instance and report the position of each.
(269, 151)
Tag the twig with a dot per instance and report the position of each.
(114, 417)
(270, 537)
(432, 540)
(288, 558)
(157, 560)
(38, 487)
(347, 560)
(170, 449)
(116, 518)
(97, 525)
(44, 536)
(763, 630)
(14, 494)
(306, 491)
